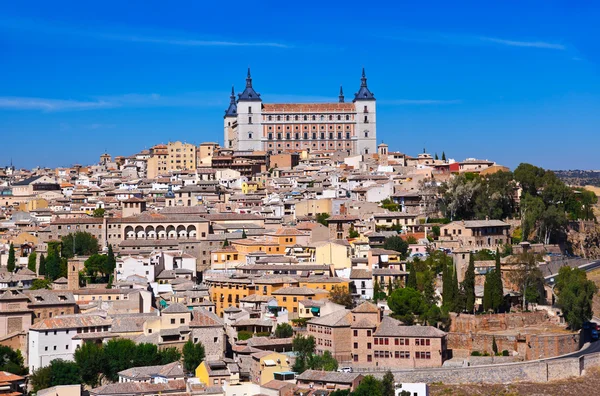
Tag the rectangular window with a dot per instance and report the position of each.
(172, 321)
(355, 333)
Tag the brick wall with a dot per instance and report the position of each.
(495, 322)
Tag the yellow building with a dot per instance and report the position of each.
(216, 373)
(205, 153)
(265, 364)
(288, 297)
(33, 204)
(312, 207)
(336, 253)
(181, 156)
(157, 163)
(249, 187)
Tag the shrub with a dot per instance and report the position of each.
(505, 353)
(475, 353)
(244, 335)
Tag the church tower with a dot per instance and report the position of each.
(249, 119)
(366, 123)
(230, 118)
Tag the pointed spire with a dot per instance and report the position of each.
(363, 93)
(232, 97)
(341, 97)
(232, 109)
(249, 80)
(249, 93)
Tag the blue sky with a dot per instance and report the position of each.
(508, 81)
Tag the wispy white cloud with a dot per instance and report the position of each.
(419, 102)
(468, 40)
(46, 104)
(188, 42)
(534, 44)
(159, 37)
(194, 99)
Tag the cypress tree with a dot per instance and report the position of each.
(488, 290)
(42, 269)
(244, 236)
(456, 305)
(494, 345)
(498, 294)
(111, 262)
(376, 290)
(31, 262)
(412, 277)
(225, 243)
(10, 264)
(469, 285)
(436, 157)
(447, 298)
(390, 286)
(443, 156)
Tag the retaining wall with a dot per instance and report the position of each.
(535, 371)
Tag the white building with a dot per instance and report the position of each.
(167, 260)
(135, 265)
(414, 389)
(59, 337)
(250, 124)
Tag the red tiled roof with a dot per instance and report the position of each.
(307, 107)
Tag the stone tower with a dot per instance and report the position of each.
(74, 265)
(382, 152)
(366, 123)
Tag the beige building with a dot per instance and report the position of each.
(174, 156)
(265, 364)
(336, 253)
(205, 152)
(475, 234)
(312, 207)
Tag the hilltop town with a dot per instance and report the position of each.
(299, 257)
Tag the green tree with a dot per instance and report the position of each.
(284, 330)
(225, 243)
(119, 355)
(526, 274)
(325, 362)
(41, 378)
(32, 262)
(494, 346)
(39, 284)
(53, 262)
(412, 276)
(79, 243)
(369, 386)
(322, 218)
(90, 359)
(193, 355)
(111, 261)
(388, 387)
(10, 264)
(11, 361)
(42, 269)
(169, 355)
(397, 244)
(376, 290)
(436, 157)
(575, 293)
(98, 213)
(488, 287)
(95, 265)
(352, 233)
(469, 285)
(244, 236)
(304, 348)
(59, 372)
(341, 295)
(498, 291)
(407, 303)
(146, 354)
(443, 156)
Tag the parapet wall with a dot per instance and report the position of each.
(465, 323)
(535, 371)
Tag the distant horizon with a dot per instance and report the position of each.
(507, 83)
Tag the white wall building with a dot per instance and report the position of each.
(59, 337)
(135, 265)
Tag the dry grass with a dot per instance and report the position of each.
(587, 385)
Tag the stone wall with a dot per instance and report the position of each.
(464, 323)
(537, 371)
(527, 346)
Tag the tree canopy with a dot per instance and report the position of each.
(58, 372)
(193, 355)
(397, 244)
(11, 262)
(11, 361)
(575, 293)
(79, 243)
(341, 295)
(284, 330)
(32, 262)
(306, 357)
